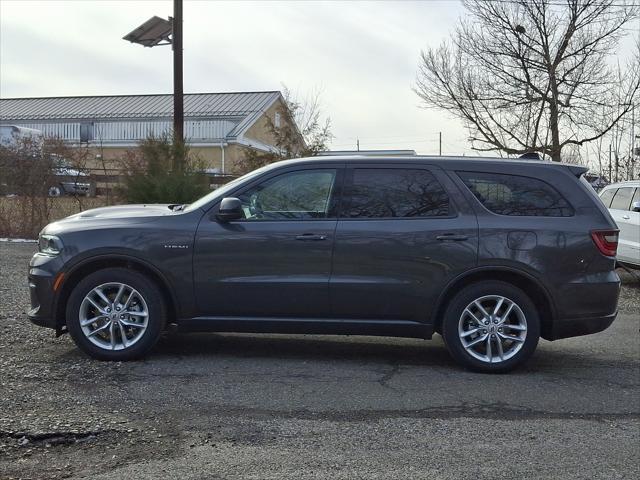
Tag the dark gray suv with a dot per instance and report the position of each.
(491, 254)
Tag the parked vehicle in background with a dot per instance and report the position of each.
(623, 201)
(69, 181)
(598, 182)
(492, 254)
(26, 144)
(11, 136)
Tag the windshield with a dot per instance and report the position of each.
(220, 192)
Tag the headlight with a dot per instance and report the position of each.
(49, 244)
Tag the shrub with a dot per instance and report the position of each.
(160, 170)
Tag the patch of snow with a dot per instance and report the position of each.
(17, 240)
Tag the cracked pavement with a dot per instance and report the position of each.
(312, 407)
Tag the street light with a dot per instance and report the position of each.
(155, 32)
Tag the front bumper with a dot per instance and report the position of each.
(42, 311)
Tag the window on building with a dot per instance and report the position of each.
(515, 195)
(277, 120)
(394, 193)
(86, 132)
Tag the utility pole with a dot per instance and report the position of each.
(610, 179)
(632, 158)
(178, 95)
(157, 31)
(440, 143)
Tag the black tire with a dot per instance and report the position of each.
(157, 313)
(54, 191)
(475, 291)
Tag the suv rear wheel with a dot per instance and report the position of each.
(116, 314)
(491, 326)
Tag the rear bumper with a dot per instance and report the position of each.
(585, 306)
(576, 327)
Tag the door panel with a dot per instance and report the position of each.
(395, 268)
(262, 268)
(629, 224)
(276, 262)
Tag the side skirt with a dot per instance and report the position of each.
(321, 326)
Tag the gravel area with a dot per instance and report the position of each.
(312, 407)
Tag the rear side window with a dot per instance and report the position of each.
(393, 193)
(515, 195)
(622, 199)
(607, 196)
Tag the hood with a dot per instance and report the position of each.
(106, 217)
(124, 211)
(69, 172)
(111, 217)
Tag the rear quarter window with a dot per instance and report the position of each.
(516, 195)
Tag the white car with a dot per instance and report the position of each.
(623, 201)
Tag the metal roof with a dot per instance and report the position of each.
(244, 105)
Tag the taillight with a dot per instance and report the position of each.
(606, 241)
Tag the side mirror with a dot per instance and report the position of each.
(230, 209)
(635, 207)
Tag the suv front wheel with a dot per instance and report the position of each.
(116, 314)
(491, 326)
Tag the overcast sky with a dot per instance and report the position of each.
(362, 56)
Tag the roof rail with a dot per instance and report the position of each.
(368, 153)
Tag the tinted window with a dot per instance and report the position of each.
(516, 195)
(392, 193)
(296, 195)
(607, 196)
(622, 199)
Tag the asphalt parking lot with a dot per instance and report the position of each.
(303, 407)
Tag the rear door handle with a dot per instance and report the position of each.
(452, 237)
(310, 237)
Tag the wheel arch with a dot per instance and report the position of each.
(92, 264)
(524, 281)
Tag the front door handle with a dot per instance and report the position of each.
(451, 237)
(310, 237)
(626, 217)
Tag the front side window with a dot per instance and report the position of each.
(607, 196)
(622, 199)
(516, 195)
(301, 195)
(393, 193)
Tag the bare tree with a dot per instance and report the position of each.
(533, 75)
(302, 119)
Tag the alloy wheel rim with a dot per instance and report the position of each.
(492, 328)
(113, 316)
